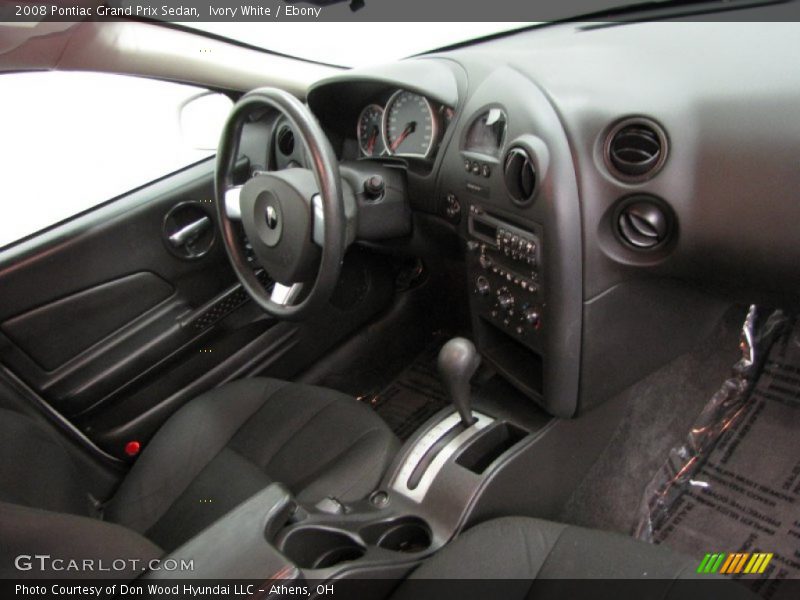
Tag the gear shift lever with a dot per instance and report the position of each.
(458, 361)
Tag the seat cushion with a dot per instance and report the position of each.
(529, 554)
(231, 442)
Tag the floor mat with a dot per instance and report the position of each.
(414, 396)
(730, 495)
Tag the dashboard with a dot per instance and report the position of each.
(614, 188)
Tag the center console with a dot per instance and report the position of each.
(429, 494)
(451, 474)
(411, 515)
(504, 268)
(508, 187)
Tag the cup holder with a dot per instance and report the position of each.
(408, 534)
(317, 548)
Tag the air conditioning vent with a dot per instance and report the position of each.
(520, 176)
(643, 224)
(636, 149)
(286, 141)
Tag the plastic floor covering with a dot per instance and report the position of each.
(731, 494)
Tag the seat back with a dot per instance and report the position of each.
(37, 470)
(45, 503)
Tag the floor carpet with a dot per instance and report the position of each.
(659, 410)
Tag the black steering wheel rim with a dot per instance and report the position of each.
(326, 173)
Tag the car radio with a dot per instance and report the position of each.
(504, 268)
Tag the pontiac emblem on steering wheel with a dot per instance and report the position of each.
(272, 217)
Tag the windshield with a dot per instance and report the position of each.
(353, 44)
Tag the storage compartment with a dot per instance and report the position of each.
(520, 364)
(318, 548)
(408, 534)
(489, 446)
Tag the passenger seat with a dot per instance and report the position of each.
(524, 552)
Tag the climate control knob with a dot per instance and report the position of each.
(532, 317)
(505, 301)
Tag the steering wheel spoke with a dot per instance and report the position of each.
(285, 295)
(318, 224)
(232, 206)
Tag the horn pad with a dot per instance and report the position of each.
(277, 218)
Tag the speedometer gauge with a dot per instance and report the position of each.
(409, 125)
(370, 136)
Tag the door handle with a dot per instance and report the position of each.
(190, 232)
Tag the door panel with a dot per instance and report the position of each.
(57, 332)
(84, 314)
(104, 321)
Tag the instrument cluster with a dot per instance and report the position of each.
(407, 125)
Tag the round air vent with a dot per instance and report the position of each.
(520, 176)
(286, 141)
(635, 149)
(643, 223)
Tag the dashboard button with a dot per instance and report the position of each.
(532, 318)
(505, 301)
(453, 208)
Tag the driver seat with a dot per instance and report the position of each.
(210, 456)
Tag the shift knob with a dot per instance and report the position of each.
(458, 361)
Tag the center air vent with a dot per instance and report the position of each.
(520, 176)
(635, 149)
(643, 223)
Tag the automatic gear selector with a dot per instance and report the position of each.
(458, 361)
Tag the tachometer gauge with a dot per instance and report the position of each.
(409, 125)
(370, 136)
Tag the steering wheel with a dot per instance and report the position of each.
(294, 220)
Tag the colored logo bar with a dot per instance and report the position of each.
(732, 564)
